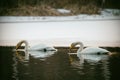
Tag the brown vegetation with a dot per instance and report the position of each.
(48, 7)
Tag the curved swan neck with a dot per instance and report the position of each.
(81, 47)
(26, 46)
(20, 43)
(78, 43)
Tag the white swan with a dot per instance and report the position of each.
(40, 47)
(89, 54)
(89, 50)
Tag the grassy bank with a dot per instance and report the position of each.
(48, 7)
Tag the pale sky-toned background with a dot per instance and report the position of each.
(66, 32)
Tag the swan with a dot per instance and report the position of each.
(39, 47)
(89, 50)
(90, 54)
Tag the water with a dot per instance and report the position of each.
(57, 66)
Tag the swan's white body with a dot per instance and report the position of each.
(40, 47)
(92, 58)
(35, 54)
(93, 50)
(89, 50)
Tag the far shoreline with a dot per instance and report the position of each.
(112, 49)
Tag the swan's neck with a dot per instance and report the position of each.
(20, 44)
(81, 47)
(79, 50)
(26, 46)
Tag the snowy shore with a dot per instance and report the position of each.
(93, 30)
(106, 14)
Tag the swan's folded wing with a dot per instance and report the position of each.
(42, 47)
(38, 47)
(94, 50)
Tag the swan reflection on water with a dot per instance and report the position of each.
(88, 64)
(92, 57)
(25, 55)
(88, 58)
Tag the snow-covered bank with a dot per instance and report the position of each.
(93, 30)
(61, 42)
(62, 33)
(106, 14)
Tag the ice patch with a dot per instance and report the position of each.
(63, 11)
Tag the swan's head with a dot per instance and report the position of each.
(71, 46)
(75, 44)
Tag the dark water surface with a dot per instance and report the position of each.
(57, 66)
